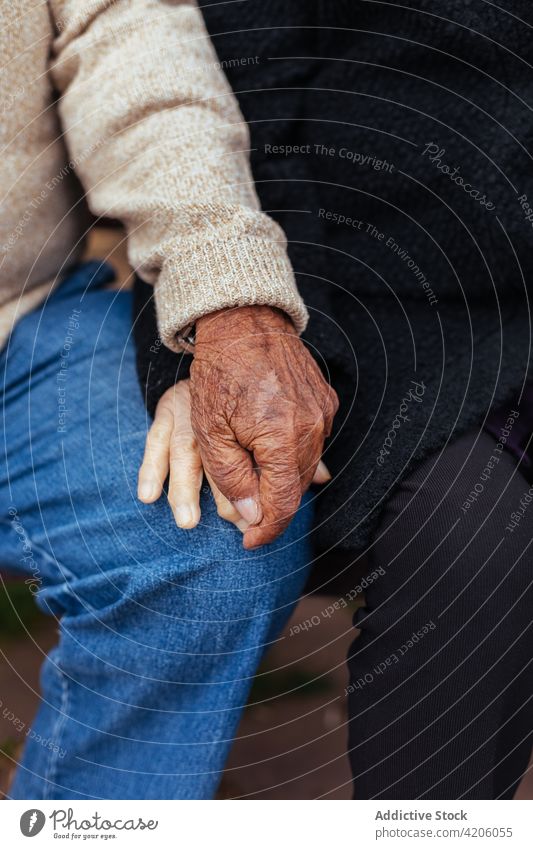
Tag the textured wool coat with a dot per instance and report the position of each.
(393, 144)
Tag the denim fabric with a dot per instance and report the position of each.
(161, 630)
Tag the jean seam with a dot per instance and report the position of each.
(51, 772)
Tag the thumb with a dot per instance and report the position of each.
(231, 468)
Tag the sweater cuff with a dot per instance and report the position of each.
(234, 272)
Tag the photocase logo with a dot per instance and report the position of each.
(32, 822)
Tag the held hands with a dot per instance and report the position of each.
(260, 411)
(253, 417)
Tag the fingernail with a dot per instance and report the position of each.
(147, 491)
(183, 516)
(243, 525)
(248, 509)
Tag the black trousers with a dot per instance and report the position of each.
(441, 676)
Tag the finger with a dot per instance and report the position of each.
(155, 464)
(310, 451)
(322, 473)
(231, 468)
(186, 474)
(280, 492)
(225, 509)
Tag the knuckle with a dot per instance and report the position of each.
(183, 444)
(172, 498)
(183, 475)
(226, 511)
(165, 406)
(316, 422)
(179, 495)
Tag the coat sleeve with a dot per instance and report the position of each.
(158, 141)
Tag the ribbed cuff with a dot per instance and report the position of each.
(236, 272)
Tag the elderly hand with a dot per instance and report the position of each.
(260, 411)
(172, 447)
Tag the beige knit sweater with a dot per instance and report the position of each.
(125, 97)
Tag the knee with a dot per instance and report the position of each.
(159, 577)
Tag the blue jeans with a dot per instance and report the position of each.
(160, 630)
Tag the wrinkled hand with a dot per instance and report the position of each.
(171, 447)
(260, 411)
